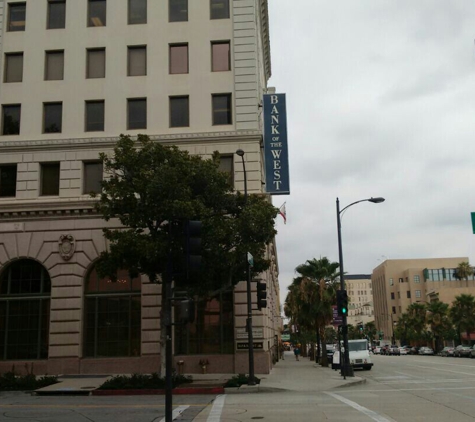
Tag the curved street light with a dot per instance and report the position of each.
(346, 368)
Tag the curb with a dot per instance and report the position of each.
(175, 391)
(350, 383)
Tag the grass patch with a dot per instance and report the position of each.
(239, 380)
(142, 382)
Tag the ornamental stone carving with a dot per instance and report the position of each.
(67, 246)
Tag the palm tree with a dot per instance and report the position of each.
(438, 319)
(416, 318)
(370, 331)
(463, 271)
(463, 314)
(323, 275)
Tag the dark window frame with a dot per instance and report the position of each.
(7, 57)
(4, 109)
(53, 190)
(90, 18)
(214, 9)
(130, 18)
(216, 112)
(11, 23)
(186, 122)
(176, 18)
(94, 185)
(170, 60)
(136, 126)
(214, 43)
(88, 67)
(8, 189)
(48, 114)
(88, 123)
(48, 54)
(62, 21)
(131, 48)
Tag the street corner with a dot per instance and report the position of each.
(350, 381)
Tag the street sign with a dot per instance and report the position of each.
(250, 259)
(473, 222)
(241, 333)
(337, 319)
(245, 346)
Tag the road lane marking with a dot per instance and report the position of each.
(176, 412)
(373, 415)
(392, 390)
(440, 370)
(217, 409)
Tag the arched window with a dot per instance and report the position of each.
(25, 290)
(112, 325)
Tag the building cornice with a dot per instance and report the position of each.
(109, 142)
(264, 10)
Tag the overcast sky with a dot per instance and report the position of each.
(380, 102)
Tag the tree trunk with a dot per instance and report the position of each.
(319, 350)
(324, 359)
(163, 334)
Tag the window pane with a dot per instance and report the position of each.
(17, 17)
(221, 57)
(179, 112)
(94, 116)
(54, 69)
(8, 181)
(219, 9)
(11, 120)
(50, 179)
(53, 116)
(222, 109)
(14, 67)
(137, 11)
(92, 177)
(226, 165)
(179, 58)
(56, 14)
(97, 11)
(178, 10)
(137, 114)
(137, 63)
(96, 63)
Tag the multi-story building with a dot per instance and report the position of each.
(360, 294)
(75, 75)
(397, 283)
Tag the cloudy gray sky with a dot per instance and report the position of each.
(380, 102)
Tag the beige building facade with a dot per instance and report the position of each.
(397, 283)
(360, 294)
(75, 75)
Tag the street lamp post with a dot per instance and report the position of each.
(346, 368)
(250, 339)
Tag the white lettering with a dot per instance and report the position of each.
(275, 130)
(274, 119)
(276, 153)
(274, 99)
(277, 175)
(274, 110)
(277, 184)
(277, 165)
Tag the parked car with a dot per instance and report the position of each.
(403, 351)
(385, 350)
(447, 351)
(377, 350)
(330, 352)
(472, 352)
(414, 350)
(394, 350)
(464, 352)
(426, 351)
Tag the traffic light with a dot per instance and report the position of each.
(186, 310)
(193, 245)
(342, 302)
(361, 327)
(261, 295)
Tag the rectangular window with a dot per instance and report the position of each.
(399, 295)
(13, 67)
(393, 296)
(96, 63)
(221, 56)
(16, 17)
(394, 309)
(137, 113)
(56, 14)
(96, 13)
(178, 58)
(53, 117)
(219, 9)
(391, 282)
(8, 180)
(54, 65)
(226, 165)
(49, 179)
(417, 279)
(222, 114)
(92, 177)
(179, 111)
(408, 294)
(401, 280)
(177, 10)
(94, 116)
(418, 293)
(137, 61)
(11, 116)
(137, 12)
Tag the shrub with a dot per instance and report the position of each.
(239, 380)
(142, 382)
(11, 382)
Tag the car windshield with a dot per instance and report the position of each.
(357, 346)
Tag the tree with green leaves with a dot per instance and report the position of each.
(437, 318)
(417, 318)
(152, 190)
(323, 276)
(462, 313)
(370, 331)
(463, 271)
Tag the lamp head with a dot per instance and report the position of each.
(240, 152)
(376, 200)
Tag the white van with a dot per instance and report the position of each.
(359, 355)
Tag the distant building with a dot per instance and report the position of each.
(360, 293)
(397, 283)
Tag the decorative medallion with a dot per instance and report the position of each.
(67, 246)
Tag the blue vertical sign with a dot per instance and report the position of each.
(276, 151)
